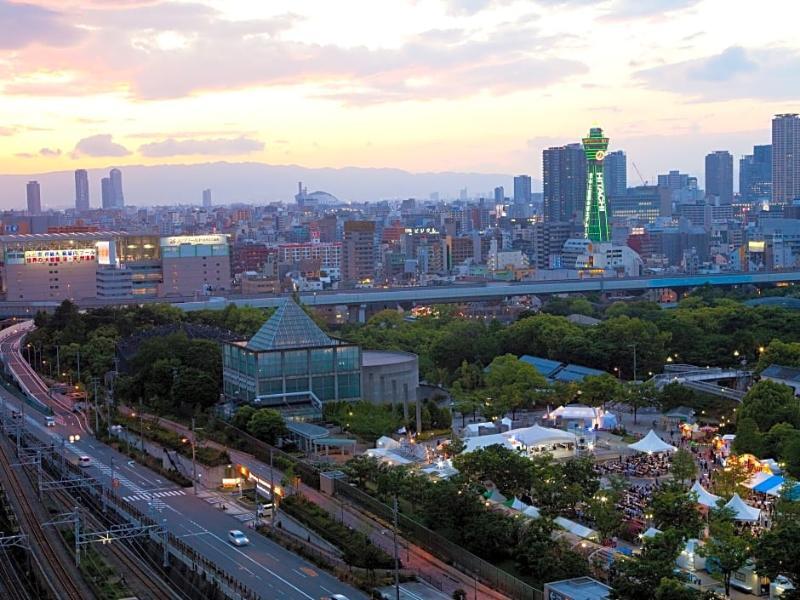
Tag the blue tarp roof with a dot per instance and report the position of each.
(768, 484)
(545, 366)
(558, 371)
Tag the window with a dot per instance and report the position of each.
(295, 362)
(322, 360)
(297, 384)
(347, 358)
(269, 364)
(349, 386)
(324, 388)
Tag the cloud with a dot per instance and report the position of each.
(206, 147)
(736, 72)
(99, 145)
(26, 24)
(635, 9)
(43, 152)
(6, 131)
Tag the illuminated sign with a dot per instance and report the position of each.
(421, 230)
(194, 240)
(103, 253)
(755, 246)
(68, 255)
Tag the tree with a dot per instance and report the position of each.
(604, 514)
(596, 390)
(541, 558)
(193, 388)
(242, 416)
(267, 425)
(778, 553)
(673, 508)
(638, 578)
(639, 395)
(768, 403)
(673, 395)
(683, 467)
(777, 352)
(748, 437)
(512, 384)
(729, 549)
(730, 480)
(511, 472)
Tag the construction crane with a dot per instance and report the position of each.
(639, 173)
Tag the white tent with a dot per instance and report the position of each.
(387, 456)
(651, 532)
(387, 442)
(704, 497)
(756, 479)
(539, 436)
(507, 423)
(575, 411)
(580, 530)
(482, 441)
(742, 511)
(532, 512)
(652, 443)
(475, 428)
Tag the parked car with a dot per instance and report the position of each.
(237, 538)
(84, 461)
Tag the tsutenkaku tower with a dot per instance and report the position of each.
(595, 215)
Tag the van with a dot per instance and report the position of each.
(84, 461)
(50, 421)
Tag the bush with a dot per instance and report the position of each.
(356, 547)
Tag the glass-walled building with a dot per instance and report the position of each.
(291, 362)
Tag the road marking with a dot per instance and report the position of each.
(303, 575)
(309, 571)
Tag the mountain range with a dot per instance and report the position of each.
(251, 182)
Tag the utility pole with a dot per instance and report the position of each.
(634, 361)
(194, 464)
(141, 427)
(272, 492)
(396, 558)
(96, 409)
(58, 364)
(79, 366)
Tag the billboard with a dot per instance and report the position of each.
(106, 252)
(194, 240)
(67, 255)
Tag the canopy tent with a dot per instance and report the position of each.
(532, 512)
(741, 510)
(483, 441)
(770, 483)
(494, 496)
(757, 479)
(651, 532)
(652, 443)
(590, 416)
(387, 442)
(608, 421)
(475, 428)
(539, 436)
(507, 423)
(387, 456)
(576, 528)
(516, 504)
(704, 497)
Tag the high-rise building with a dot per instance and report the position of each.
(81, 190)
(207, 198)
(719, 177)
(116, 188)
(615, 173)
(358, 251)
(564, 174)
(755, 175)
(499, 195)
(785, 158)
(595, 215)
(34, 196)
(522, 189)
(107, 193)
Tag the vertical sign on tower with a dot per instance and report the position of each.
(595, 216)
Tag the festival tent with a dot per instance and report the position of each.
(540, 436)
(484, 441)
(651, 443)
(475, 428)
(704, 497)
(387, 442)
(757, 479)
(576, 528)
(741, 510)
(531, 512)
(651, 532)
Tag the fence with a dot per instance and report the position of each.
(441, 547)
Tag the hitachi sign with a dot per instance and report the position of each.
(194, 240)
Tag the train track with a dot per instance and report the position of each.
(61, 583)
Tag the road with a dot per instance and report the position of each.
(264, 566)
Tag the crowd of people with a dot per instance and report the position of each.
(639, 465)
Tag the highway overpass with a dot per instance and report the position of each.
(471, 292)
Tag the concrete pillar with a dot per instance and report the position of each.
(362, 313)
(419, 416)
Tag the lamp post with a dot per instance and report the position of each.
(194, 455)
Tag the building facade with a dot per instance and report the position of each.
(719, 177)
(595, 213)
(564, 176)
(615, 174)
(33, 194)
(785, 158)
(358, 252)
(81, 190)
(755, 175)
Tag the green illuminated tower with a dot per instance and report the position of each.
(595, 216)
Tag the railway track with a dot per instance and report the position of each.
(61, 583)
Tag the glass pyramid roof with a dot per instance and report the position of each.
(289, 327)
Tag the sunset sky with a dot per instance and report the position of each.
(423, 85)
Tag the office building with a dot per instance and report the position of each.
(681, 188)
(358, 252)
(499, 195)
(548, 241)
(107, 193)
(785, 158)
(641, 204)
(615, 174)
(206, 198)
(755, 175)
(564, 174)
(719, 177)
(329, 254)
(34, 197)
(81, 190)
(595, 215)
(522, 189)
(116, 188)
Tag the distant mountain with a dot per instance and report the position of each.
(251, 183)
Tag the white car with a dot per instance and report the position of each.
(50, 421)
(84, 461)
(237, 538)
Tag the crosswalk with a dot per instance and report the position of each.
(154, 496)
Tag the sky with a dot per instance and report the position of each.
(421, 85)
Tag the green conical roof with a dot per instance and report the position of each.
(289, 327)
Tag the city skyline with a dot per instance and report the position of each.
(430, 86)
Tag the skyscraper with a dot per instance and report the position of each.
(719, 176)
(755, 175)
(595, 216)
(34, 195)
(116, 188)
(207, 198)
(615, 173)
(499, 195)
(522, 189)
(81, 190)
(358, 251)
(107, 193)
(785, 158)
(564, 174)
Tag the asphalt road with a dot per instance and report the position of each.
(264, 566)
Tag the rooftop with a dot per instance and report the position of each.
(375, 358)
(289, 327)
(781, 372)
(581, 588)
